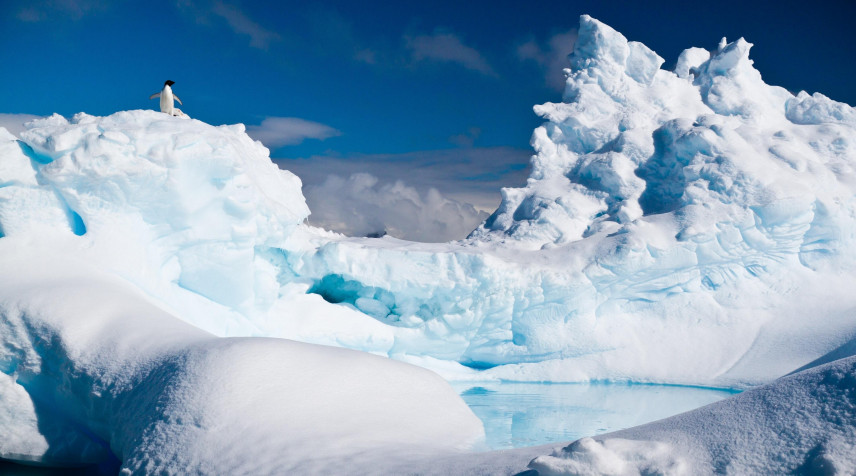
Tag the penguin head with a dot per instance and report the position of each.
(168, 82)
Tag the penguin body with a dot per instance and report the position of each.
(167, 99)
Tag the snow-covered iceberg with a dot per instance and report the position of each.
(688, 226)
(114, 230)
(692, 226)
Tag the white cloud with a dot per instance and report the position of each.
(362, 205)
(204, 11)
(240, 23)
(466, 139)
(279, 131)
(551, 58)
(447, 47)
(469, 175)
(14, 123)
(74, 10)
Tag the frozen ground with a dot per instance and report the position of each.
(693, 227)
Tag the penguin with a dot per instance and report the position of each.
(166, 99)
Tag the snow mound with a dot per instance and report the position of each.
(800, 424)
(91, 366)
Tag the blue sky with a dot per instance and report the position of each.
(436, 94)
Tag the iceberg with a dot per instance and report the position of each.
(678, 227)
(687, 227)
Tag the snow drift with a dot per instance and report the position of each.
(91, 365)
(800, 424)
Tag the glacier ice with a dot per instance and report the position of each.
(692, 226)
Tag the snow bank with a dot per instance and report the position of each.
(800, 424)
(91, 365)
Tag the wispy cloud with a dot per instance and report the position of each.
(447, 47)
(74, 10)
(552, 57)
(332, 34)
(279, 131)
(240, 23)
(469, 175)
(467, 139)
(14, 123)
(363, 205)
(205, 12)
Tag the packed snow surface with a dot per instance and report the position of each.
(693, 226)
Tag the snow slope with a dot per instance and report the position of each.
(92, 365)
(799, 424)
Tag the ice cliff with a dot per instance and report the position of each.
(692, 226)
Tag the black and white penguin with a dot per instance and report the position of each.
(166, 99)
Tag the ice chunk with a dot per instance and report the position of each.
(689, 60)
(642, 63)
(819, 109)
(597, 41)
